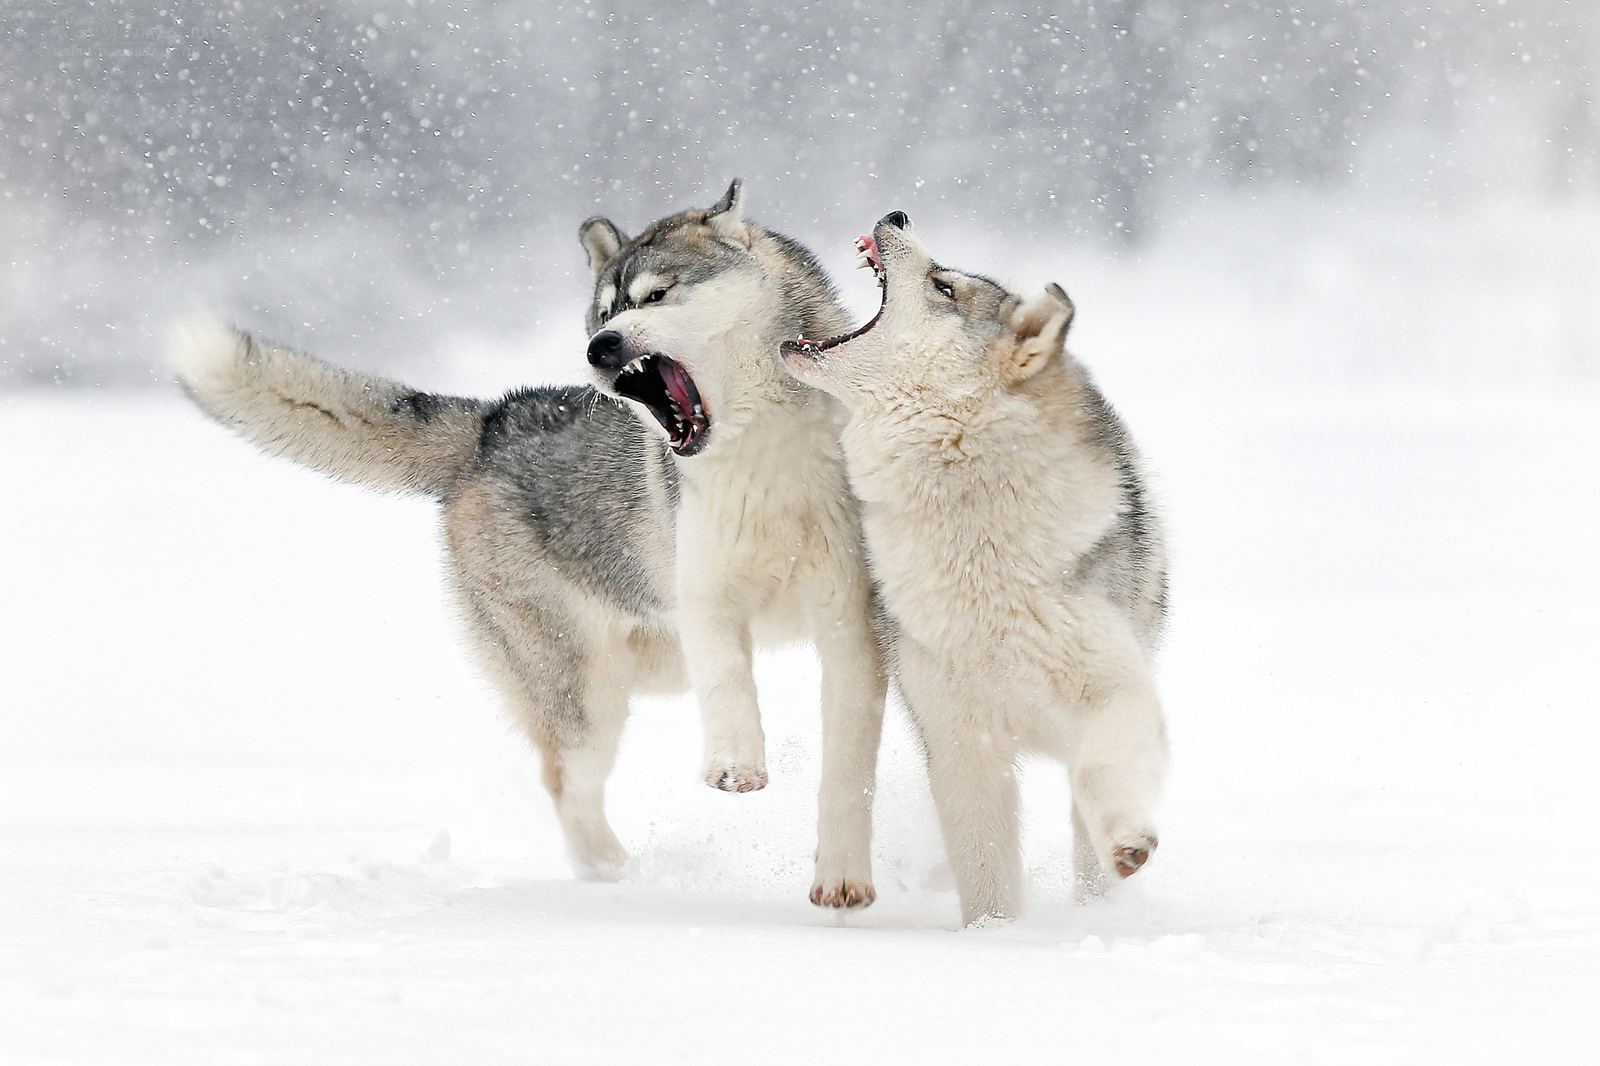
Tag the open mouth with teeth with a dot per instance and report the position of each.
(867, 258)
(669, 392)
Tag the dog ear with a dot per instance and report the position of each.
(1040, 331)
(602, 241)
(726, 217)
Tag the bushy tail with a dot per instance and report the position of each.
(364, 429)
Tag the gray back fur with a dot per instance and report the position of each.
(573, 464)
(1129, 564)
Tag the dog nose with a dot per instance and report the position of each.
(897, 219)
(607, 351)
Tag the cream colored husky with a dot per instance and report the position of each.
(1018, 558)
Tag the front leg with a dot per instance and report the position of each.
(973, 777)
(972, 772)
(853, 690)
(1116, 758)
(715, 628)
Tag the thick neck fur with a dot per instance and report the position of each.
(756, 396)
(806, 305)
(982, 503)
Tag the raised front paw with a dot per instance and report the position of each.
(1129, 852)
(731, 777)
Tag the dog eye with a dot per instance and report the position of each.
(946, 289)
(655, 296)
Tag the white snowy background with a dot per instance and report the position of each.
(1338, 264)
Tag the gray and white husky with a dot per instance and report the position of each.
(634, 538)
(1017, 555)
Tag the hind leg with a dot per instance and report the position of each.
(1116, 769)
(575, 772)
(564, 661)
(574, 713)
(566, 684)
(1116, 755)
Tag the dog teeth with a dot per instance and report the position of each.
(635, 367)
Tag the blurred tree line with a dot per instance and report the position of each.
(425, 148)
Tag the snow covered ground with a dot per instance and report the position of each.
(256, 806)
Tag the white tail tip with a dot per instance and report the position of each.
(205, 352)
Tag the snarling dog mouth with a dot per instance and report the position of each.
(867, 257)
(669, 392)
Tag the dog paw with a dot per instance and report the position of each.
(1127, 855)
(604, 867)
(604, 873)
(736, 778)
(989, 921)
(842, 894)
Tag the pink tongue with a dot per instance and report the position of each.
(872, 251)
(678, 385)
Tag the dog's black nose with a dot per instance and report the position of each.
(607, 351)
(897, 219)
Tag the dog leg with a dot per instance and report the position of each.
(578, 743)
(579, 787)
(973, 777)
(853, 689)
(565, 683)
(975, 789)
(716, 645)
(1117, 760)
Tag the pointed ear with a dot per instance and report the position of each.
(726, 218)
(602, 241)
(1040, 328)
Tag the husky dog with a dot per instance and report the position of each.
(634, 538)
(1017, 556)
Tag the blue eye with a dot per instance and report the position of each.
(655, 296)
(946, 289)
